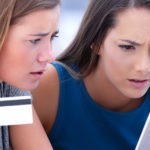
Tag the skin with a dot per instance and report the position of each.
(28, 49)
(29, 136)
(23, 60)
(124, 66)
(123, 70)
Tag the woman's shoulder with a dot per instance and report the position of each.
(45, 97)
(66, 71)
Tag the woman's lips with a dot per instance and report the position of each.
(34, 73)
(37, 75)
(138, 83)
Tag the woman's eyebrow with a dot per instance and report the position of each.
(131, 42)
(40, 34)
(44, 34)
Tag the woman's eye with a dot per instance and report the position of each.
(35, 41)
(127, 47)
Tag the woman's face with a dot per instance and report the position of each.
(125, 54)
(28, 48)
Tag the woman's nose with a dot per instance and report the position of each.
(46, 54)
(143, 64)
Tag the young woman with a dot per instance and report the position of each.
(27, 28)
(96, 96)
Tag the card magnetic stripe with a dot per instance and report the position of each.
(15, 102)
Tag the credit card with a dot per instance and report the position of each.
(16, 110)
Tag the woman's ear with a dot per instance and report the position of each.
(96, 48)
(100, 50)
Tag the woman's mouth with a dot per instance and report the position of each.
(37, 75)
(139, 83)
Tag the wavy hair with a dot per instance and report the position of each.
(99, 17)
(12, 10)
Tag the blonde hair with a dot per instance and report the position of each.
(6, 10)
(12, 10)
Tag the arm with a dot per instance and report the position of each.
(30, 136)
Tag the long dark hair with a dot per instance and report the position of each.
(98, 19)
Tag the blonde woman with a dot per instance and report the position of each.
(27, 28)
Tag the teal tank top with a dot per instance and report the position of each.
(81, 124)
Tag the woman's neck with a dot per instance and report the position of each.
(107, 96)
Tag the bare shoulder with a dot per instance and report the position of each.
(45, 97)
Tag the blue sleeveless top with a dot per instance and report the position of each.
(81, 124)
